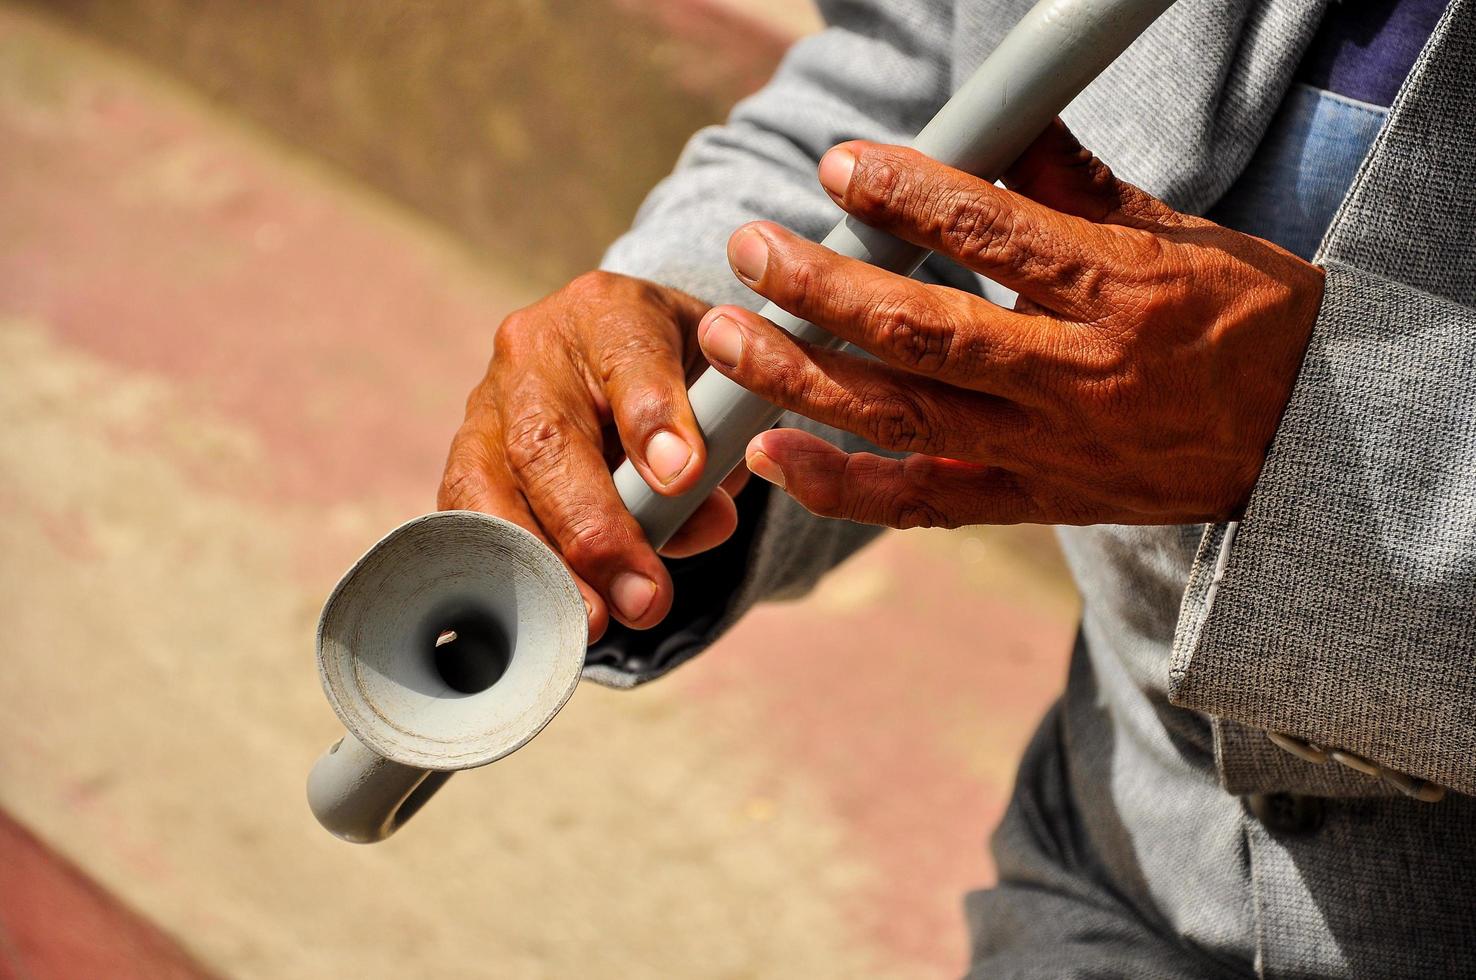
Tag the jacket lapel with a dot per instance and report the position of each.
(1181, 112)
(1411, 213)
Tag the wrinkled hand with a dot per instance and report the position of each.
(592, 372)
(1139, 380)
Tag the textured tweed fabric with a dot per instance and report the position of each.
(1340, 609)
(1347, 609)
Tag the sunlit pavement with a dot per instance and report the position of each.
(223, 372)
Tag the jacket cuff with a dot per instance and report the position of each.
(709, 598)
(1342, 608)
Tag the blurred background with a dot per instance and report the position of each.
(251, 258)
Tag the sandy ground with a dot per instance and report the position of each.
(224, 370)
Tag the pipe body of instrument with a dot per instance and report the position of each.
(409, 726)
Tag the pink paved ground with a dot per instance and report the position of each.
(812, 797)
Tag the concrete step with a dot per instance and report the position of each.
(531, 129)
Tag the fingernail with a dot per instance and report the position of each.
(749, 253)
(633, 594)
(667, 454)
(835, 171)
(722, 341)
(761, 465)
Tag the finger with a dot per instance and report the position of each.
(915, 491)
(476, 479)
(1058, 172)
(554, 455)
(933, 331)
(712, 524)
(889, 407)
(1053, 258)
(636, 349)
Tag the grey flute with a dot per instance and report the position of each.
(457, 637)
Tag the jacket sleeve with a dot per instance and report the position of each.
(878, 71)
(1341, 610)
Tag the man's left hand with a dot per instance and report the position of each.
(1139, 380)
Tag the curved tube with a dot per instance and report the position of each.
(1040, 66)
(362, 797)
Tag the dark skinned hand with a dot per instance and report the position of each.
(585, 376)
(1139, 380)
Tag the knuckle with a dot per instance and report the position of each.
(1105, 369)
(535, 441)
(643, 410)
(972, 227)
(637, 357)
(869, 491)
(599, 289)
(588, 544)
(880, 187)
(1088, 284)
(804, 283)
(596, 282)
(853, 493)
(647, 293)
(607, 286)
(801, 387)
(900, 421)
(515, 336)
(911, 510)
(917, 333)
(831, 493)
(1146, 249)
(1116, 393)
(913, 503)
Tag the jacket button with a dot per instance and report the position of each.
(1355, 762)
(1298, 747)
(1287, 814)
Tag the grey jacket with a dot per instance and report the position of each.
(1341, 610)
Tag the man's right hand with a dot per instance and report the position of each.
(591, 374)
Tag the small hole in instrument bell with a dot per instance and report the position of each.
(471, 654)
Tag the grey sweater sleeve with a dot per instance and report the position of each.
(1342, 607)
(878, 71)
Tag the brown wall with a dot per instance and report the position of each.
(531, 127)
